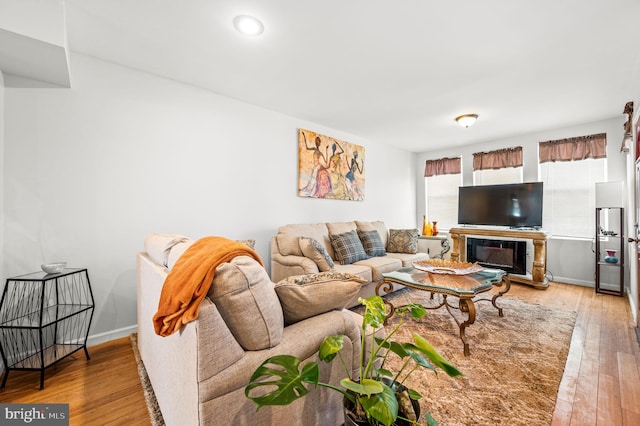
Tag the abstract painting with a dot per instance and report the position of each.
(329, 168)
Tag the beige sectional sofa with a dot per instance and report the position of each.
(294, 252)
(199, 373)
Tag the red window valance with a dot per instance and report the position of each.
(507, 157)
(442, 166)
(573, 149)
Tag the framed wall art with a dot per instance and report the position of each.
(329, 168)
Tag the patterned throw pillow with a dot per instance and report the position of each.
(372, 243)
(322, 277)
(347, 247)
(403, 241)
(315, 251)
(303, 296)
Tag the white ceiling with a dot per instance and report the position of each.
(392, 71)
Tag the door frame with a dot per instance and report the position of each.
(633, 178)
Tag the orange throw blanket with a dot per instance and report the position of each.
(189, 281)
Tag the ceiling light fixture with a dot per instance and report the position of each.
(467, 120)
(248, 25)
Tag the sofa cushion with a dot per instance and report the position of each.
(407, 259)
(248, 303)
(372, 243)
(317, 231)
(403, 241)
(341, 227)
(159, 247)
(377, 225)
(347, 247)
(380, 265)
(288, 245)
(304, 296)
(315, 251)
(363, 271)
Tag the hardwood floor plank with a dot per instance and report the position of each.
(629, 379)
(568, 384)
(609, 410)
(585, 403)
(609, 339)
(630, 418)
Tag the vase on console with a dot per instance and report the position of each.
(611, 256)
(434, 229)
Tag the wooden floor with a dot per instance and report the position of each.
(600, 386)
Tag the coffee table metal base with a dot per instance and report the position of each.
(465, 305)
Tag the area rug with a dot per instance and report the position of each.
(150, 397)
(510, 378)
(513, 372)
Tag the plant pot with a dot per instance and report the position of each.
(348, 409)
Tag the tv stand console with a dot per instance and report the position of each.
(538, 277)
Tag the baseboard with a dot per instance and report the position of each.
(634, 308)
(573, 281)
(107, 336)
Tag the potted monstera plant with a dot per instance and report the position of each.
(378, 396)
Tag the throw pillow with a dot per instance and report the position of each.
(304, 296)
(245, 297)
(322, 277)
(288, 245)
(403, 241)
(347, 247)
(315, 251)
(372, 243)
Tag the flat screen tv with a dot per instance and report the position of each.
(515, 205)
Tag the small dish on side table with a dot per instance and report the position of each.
(53, 268)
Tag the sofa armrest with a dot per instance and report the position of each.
(302, 340)
(171, 362)
(215, 337)
(286, 266)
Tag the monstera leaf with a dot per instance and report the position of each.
(381, 406)
(281, 374)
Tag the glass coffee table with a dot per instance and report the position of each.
(465, 288)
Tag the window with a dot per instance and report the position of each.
(442, 179)
(497, 176)
(498, 167)
(569, 169)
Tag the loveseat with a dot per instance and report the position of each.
(300, 249)
(199, 373)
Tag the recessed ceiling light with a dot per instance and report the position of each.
(248, 25)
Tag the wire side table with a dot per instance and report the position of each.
(43, 319)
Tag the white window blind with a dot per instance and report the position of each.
(497, 176)
(569, 196)
(442, 199)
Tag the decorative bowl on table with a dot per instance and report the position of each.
(451, 267)
(53, 268)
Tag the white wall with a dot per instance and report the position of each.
(91, 170)
(570, 261)
(37, 19)
(2, 169)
